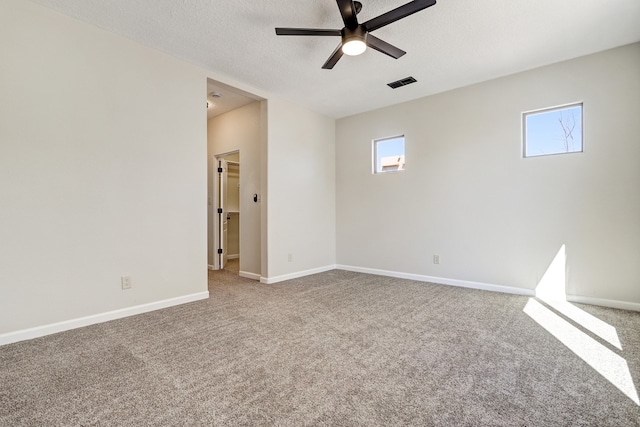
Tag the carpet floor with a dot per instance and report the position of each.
(333, 349)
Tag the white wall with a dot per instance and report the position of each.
(301, 191)
(241, 129)
(492, 216)
(102, 171)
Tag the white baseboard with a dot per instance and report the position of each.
(623, 305)
(211, 267)
(441, 280)
(276, 279)
(246, 274)
(40, 331)
(234, 256)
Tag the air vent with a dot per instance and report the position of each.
(403, 82)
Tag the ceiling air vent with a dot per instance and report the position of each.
(402, 82)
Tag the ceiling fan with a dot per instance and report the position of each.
(356, 37)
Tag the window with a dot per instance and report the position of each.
(388, 154)
(555, 130)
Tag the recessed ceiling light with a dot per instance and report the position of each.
(215, 94)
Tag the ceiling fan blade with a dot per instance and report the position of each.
(335, 56)
(384, 47)
(306, 32)
(348, 12)
(398, 13)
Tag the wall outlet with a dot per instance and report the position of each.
(436, 259)
(126, 282)
(290, 257)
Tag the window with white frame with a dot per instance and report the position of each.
(556, 130)
(388, 154)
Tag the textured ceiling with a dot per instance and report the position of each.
(452, 44)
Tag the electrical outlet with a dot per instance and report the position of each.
(290, 257)
(126, 282)
(436, 259)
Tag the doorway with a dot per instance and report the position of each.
(227, 212)
(236, 127)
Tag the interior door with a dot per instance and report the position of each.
(223, 213)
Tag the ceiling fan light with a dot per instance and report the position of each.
(354, 47)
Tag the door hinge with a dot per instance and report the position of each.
(219, 170)
(219, 210)
(220, 251)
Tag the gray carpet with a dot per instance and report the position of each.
(335, 349)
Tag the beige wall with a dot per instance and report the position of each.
(492, 216)
(241, 129)
(102, 171)
(301, 191)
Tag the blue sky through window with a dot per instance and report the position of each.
(387, 148)
(553, 131)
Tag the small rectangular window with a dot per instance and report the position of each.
(556, 130)
(388, 154)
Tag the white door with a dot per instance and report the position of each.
(222, 213)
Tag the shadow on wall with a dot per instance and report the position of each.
(571, 325)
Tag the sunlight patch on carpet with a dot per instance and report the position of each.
(551, 290)
(607, 363)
